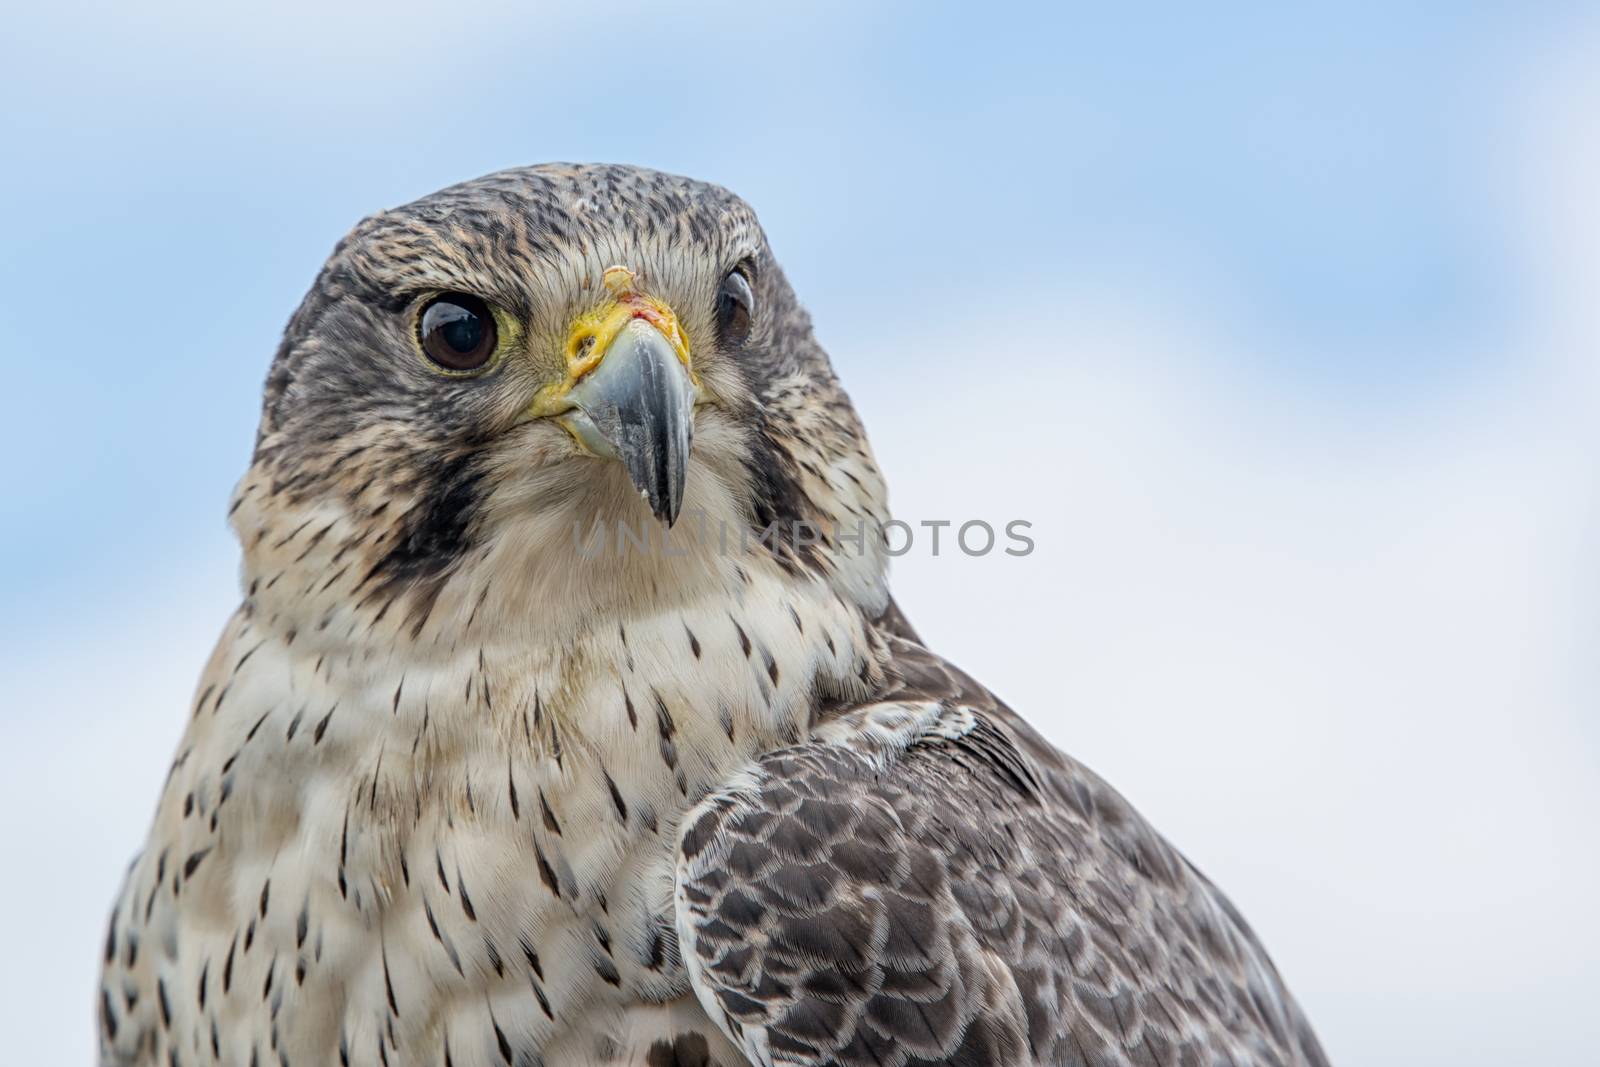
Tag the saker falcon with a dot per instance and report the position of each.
(471, 781)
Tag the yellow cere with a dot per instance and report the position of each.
(593, 331)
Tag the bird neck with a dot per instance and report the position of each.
(542, 614)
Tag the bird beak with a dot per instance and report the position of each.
(630, 396)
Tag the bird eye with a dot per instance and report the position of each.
(457, 332)
(735, 305)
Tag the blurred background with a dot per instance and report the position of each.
(1281, 325)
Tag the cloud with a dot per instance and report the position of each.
(1342, 657)
(1336, 665)
(95, 707)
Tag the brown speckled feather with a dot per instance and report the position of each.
(937, 885)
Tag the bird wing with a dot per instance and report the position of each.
(927, 881)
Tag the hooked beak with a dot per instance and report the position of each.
(630, 395)
(637, 406)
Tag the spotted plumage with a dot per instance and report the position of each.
(457, 788)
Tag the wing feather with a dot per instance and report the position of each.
(928, 882)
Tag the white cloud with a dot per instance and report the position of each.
(1337, 666)
(95, 710)
(1346, 663)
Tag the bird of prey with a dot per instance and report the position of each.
(567, 717)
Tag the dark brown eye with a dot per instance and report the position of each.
(735, 306)
(457, 332)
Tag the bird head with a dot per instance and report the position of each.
(481, 378)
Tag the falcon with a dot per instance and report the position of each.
(567, 717)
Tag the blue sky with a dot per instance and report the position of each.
(178, 175)
(1300, 301)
